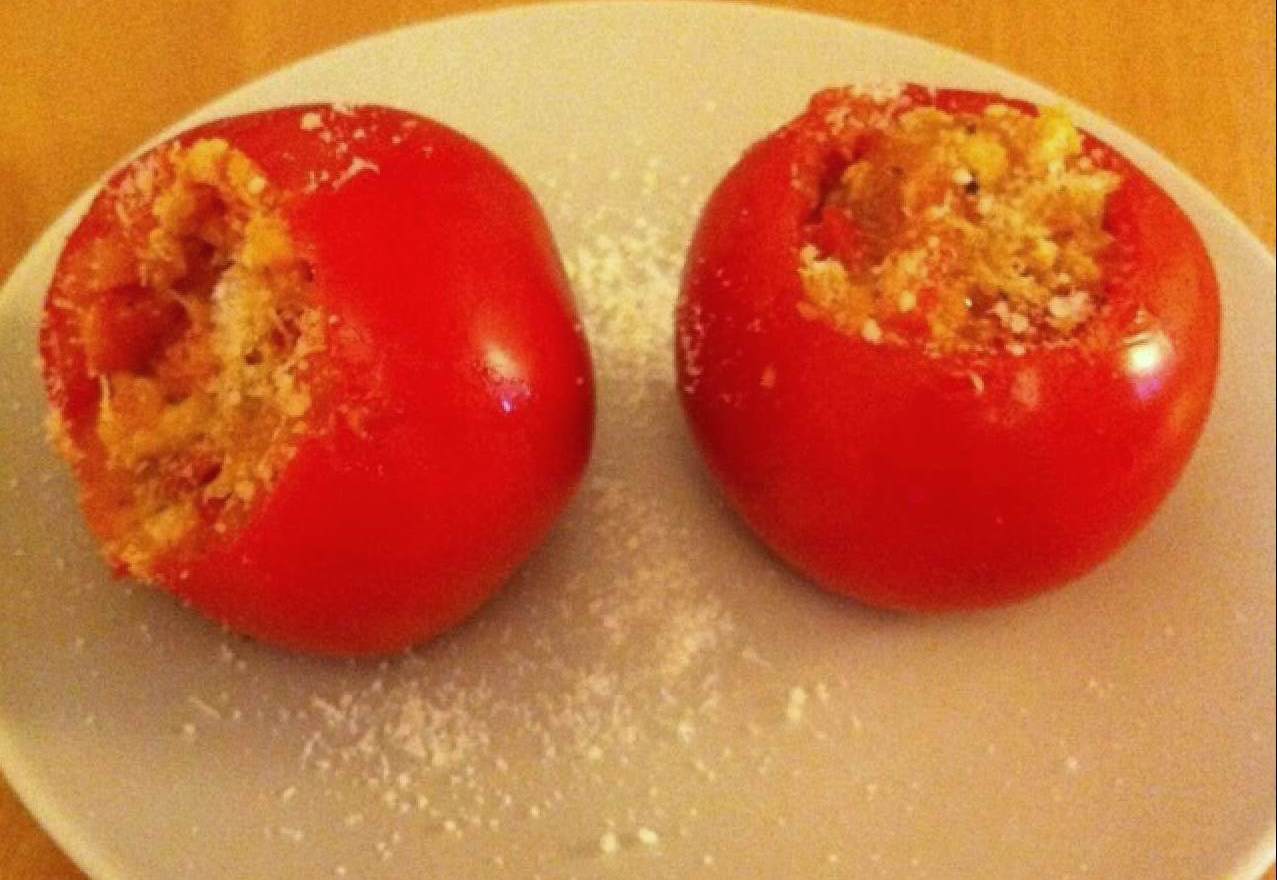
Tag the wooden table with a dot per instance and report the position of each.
(85, 82)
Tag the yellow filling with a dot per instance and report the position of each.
(966, 231)
(199, 338)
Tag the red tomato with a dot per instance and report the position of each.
(452, 405)
(912, 480)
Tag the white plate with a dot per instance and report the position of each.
(652, 683)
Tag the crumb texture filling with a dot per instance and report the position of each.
(961, 232)
(198, 325)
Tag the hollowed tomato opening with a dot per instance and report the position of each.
(195, 319)
(975, 230)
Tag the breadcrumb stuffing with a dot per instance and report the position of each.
(197, 327)
(962, 232)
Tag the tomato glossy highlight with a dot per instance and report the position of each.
(915, 480)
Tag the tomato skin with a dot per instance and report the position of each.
(457, 415)
(917, 482)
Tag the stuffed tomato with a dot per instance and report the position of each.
(941, 349)
(318, 372)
